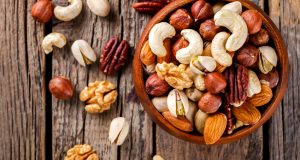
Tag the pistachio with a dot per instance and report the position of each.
(201, 64)
(199, 82)
(193, 94)
(254, 86)
(192, 111)
(200, 119)
(267, 59)
(178, 103)
(83, 52)
(118, 130)
(160, 103)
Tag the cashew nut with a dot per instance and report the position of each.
(218, 50)
(99, 7)
(157, 35)
(69, 12)
(194, 48)
(53, 39)
(234, 7)
(83, 52)
(236, 24)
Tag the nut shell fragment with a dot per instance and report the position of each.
(118, 130)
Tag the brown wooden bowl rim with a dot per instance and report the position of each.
(163, 123)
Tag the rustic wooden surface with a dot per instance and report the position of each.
(35, 125)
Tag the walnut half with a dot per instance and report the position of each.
(83, 152)
(99, 96)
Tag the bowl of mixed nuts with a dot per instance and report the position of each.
(210, 72)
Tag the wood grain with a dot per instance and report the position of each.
(284, 130)
(22, 89)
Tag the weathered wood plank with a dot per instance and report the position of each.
(140, 139)
(22, 89)
(170, 147)
(284, 129)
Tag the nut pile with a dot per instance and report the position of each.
(210, 67)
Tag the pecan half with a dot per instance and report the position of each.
(237, 82)
(114, 56)
(230, 118)
(148, 7)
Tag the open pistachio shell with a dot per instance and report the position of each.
(178, 103)
(254, 85)
(199, 64)
(267, 59)
(118, 130)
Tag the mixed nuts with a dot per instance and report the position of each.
(220, 61)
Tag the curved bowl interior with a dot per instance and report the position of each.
(198, 138)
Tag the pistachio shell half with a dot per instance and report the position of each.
(200, 64)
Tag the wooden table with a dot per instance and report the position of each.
(35, 125)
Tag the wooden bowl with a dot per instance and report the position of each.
(139, 82)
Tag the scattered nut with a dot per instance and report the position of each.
(114, 56)
(247, 55)
(83, 52)
(178, 103)
(157, 35)
(253, 21)
(194, 48)
(199, 82)
(214, 128)
(118, 130)
(99, 7)
(261, 98)
(61, 87)
(181, 19)
(99, 96)
(237, 79)
(208, 29)
(254, 86)
(237, 26)
(157, 157)
(260, 38)
(53, 39)
(148, 7)
(201, 10)
(202, 64)
(215, 82)
(179, 44)
(69, 12)
(180, 122)
(193, 94)
(200, 119)
(210, 103)
(156, 86)
(147, 57)
(247, 113)
(83, 151)
(234, 7)
(271, 79)
(218, 6)
(267, 59)
(175, 76)
(160, 103)
(42, 11)
(218, 50)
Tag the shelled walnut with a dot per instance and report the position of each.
(99, 96)
(82, 152)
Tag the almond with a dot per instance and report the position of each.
(180, 122)
(214, 128)
(147, 56)
(247, 113)
(263, 97)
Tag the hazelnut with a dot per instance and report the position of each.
(253, 21)
(261, 38)
(202, 10)
(208, 29)
(180, 43)
(181, 19)
(42, 11)
(247, 55)
(215, 82)
(156, 86)
(210, 103)
(61, 87)
(271, 79)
